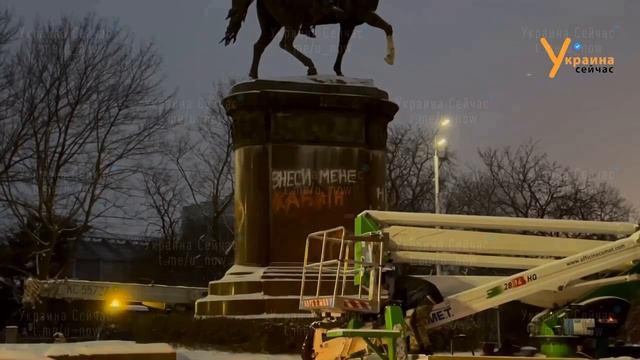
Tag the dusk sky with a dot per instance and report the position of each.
(478, 62)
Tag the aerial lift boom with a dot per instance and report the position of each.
(151, 295)
(552, 267)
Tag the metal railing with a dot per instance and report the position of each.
(347, 293)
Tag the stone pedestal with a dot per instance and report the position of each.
(309, 155)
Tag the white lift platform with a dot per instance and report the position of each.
(553, 262)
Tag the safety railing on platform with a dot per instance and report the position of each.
(333, 274)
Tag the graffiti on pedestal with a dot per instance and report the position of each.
(315, 189)
(317, 199)
(287, 179)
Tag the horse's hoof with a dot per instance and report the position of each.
(390, 59)
(253, 76)
(339, 73)
(312, 72)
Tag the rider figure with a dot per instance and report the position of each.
(319, 10)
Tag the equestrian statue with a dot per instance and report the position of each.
(300, 17)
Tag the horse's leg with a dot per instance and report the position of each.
(258, 48)
(290, 34)
(346, 30)
(269, 27)
(376, 21)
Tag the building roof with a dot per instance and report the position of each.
(110, 249)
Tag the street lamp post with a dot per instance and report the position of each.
(437, 144)
(436, 177)
(436, 180)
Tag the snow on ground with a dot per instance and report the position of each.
(185, 354)
(45, 351)
(39, 351)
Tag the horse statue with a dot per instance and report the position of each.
(293, 15)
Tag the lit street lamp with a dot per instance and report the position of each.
(438, 143)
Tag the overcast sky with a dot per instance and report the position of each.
(478, 62)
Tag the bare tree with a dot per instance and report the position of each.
(410, 175)
(204, 158)
(12, 129)
(473, 193)
(8, 29)
(588, 198)
(524, 182)
(527, 183)
(165, 192)
(93, 102)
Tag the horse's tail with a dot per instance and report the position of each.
(236, 17)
